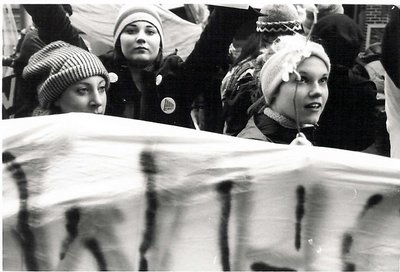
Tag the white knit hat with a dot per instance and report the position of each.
(290, 52)
(57, 66)
(133, 13)
(278, 18)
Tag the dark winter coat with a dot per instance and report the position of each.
(348, 118)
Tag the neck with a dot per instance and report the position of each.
(137, 76)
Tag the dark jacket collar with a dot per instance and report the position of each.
(277, 133)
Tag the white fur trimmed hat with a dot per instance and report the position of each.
(290, 52)
(278, 18)
(57, 66)
(133, 13)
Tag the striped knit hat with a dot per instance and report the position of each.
(278, 18)
(59, 65)
(133, 13)
(290, 52)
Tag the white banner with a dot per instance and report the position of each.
(90, 192)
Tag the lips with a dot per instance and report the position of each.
(141, 48)
(313, 106)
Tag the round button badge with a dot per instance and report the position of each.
(113, 77)
(168, 105)
(158, 79)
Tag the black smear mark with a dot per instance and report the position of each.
(347, 242)
(149, 168)
(349, 267)
(27, 238)
(73, 216)
(261, 266)
(371, 202)
(300, 192)
(7, 157)
(93, 246)
(224, 189)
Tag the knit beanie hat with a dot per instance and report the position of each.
(133, 13)
(290, 52)
(57, 66)
(277, 18)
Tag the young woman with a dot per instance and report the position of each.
(68, 79)
(150, 86)
(238, 90)
(294, 85)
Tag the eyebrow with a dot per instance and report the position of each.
(133, 24)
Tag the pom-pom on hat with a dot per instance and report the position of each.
(290, 52)
(278, 18)
(59, 65)
(134, 13)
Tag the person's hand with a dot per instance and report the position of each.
(301, 140)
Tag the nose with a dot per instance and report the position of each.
(141, 37)
(96, 98)
(315, 90)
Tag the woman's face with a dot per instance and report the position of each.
(86, 95)
(140, 43)
(312, 92)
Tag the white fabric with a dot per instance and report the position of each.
(376, 73)
(9, 36)
(392, 106)
(108, 193)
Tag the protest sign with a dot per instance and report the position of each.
(89, 192)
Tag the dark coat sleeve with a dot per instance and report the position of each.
(211, 50)
(53, 24)
(391, 47)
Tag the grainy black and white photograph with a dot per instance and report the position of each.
(172, 136)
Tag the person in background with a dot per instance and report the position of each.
(348, 118)
(322, 11)
(68, 79)
(293, 81)
(238, 90)
(150, 86)
(29, 44)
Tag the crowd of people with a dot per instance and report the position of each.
(286, 78)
